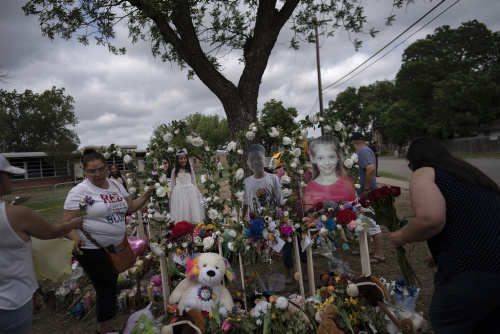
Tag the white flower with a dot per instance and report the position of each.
(346, 150)
(297, 225)
(304, 133)
(287, 192)
(197, 142)
(265, 233)
(286, 140)
(285, 213)
(239, 174)
(357, 185)
(348, 163)
(254, 129)
(157, 185)
(217, 233)
(170, 149)
(176, 131)
(282, 303)
(230, 246)
(250, 135)
(158, 216)
(197, 241)
(240, 151)
(106, 155)
(168, 137)
(189, 139)
(321, 119)
(338, 126)
(247, 247)
(251, 125)
(313, 119)
(213, 214)
(271, 226)
(170, 245)
(339, 227)
(303, 184)
(216, 198)
(129, 181)
(127, 159)
(184, 245)
(131, 190)
(232, 233)
(203, 178)
(231, 146)
(148, 154)
(151, 211)
(274, 133)
(163, 178)
(239, 195)
(301, 171)
(157, 249)
(354, 157)
(207, 148)
(119, 153)
(323, 231)
(296, 152)
(208, 242)
(293, 165)
(342, 144)
(146, 188)
(285, 179)
(258, 322)
(161, 192)
(327, 128)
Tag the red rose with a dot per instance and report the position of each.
(396, 191)
(345, 216)
(385, 190)
(181, 229)
(252, 215)
(374, 195)
(364, 202)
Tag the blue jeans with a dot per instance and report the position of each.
(17, 321)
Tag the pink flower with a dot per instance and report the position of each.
(286, 230)
(352, 225)
(226, 326)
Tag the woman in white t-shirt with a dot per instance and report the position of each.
(105, 222)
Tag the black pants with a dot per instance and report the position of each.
(288, 255)
(96, 264)
(468, 303)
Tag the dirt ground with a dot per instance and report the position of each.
(52, 321)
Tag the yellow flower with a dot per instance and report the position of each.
(179, 251)
(209, 227)
(337, 279)
(238, 294)
(82, 200)
(353, 301)
(273, 315)
(210, 315)
(228, 319)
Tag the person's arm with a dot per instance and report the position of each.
(73, 234)
(244, 213)
(172, 184)
(138, 203)
(193, 178)
(26, 223)
(370, 176)
(429, 207)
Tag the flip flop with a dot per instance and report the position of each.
(377, 259)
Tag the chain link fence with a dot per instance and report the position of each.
(40, 194)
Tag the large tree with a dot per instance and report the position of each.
(451, 79)
(274, 114)
(195, 33)
(31, 122)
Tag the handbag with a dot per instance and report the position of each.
(121, 257)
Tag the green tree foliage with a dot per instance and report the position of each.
(274, 114)
(31, 122)
(197, 33)
(451, 79)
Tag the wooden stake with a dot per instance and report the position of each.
(365, 255)
(165, 280)
(140, 227)
(298, 265)
(243, 281)
(310, 267)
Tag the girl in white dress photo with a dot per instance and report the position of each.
(185, 198)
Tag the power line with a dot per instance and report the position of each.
(420, 19)
(343, 82)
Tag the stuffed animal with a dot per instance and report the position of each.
(155, 281)
(325, 319)
(202, 287)
(373, 290)
(191, 322)
(330, 209)
(312, 216)
(291, 308)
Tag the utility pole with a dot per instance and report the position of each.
(319, 73)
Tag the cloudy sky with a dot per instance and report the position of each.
(120, 98)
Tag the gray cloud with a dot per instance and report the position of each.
(120, 98)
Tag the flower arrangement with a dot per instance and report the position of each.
(382, 202)
(84, 202)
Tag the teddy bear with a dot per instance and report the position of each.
(373, 290)
(325, 319)
(330, 209)
(202, 288)
(191, 322)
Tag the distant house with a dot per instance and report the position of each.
(491, 130)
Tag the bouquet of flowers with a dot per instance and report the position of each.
(381, 201)
(84, 202)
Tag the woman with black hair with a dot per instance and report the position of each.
(104, 222)
(457, 211)
(166, 167)
(115, 175)
(185, 198)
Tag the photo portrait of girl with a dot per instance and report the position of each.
(330, 179)
(185, 198)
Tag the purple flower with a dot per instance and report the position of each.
(89, 200)
(154, 172)
(286, 230)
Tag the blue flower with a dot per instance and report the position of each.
(345, 247)
(256, 228)
(331, 224)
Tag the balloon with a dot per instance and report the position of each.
(138, 245)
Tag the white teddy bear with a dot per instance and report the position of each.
(203, 288)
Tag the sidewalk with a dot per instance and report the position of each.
(392, 182)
